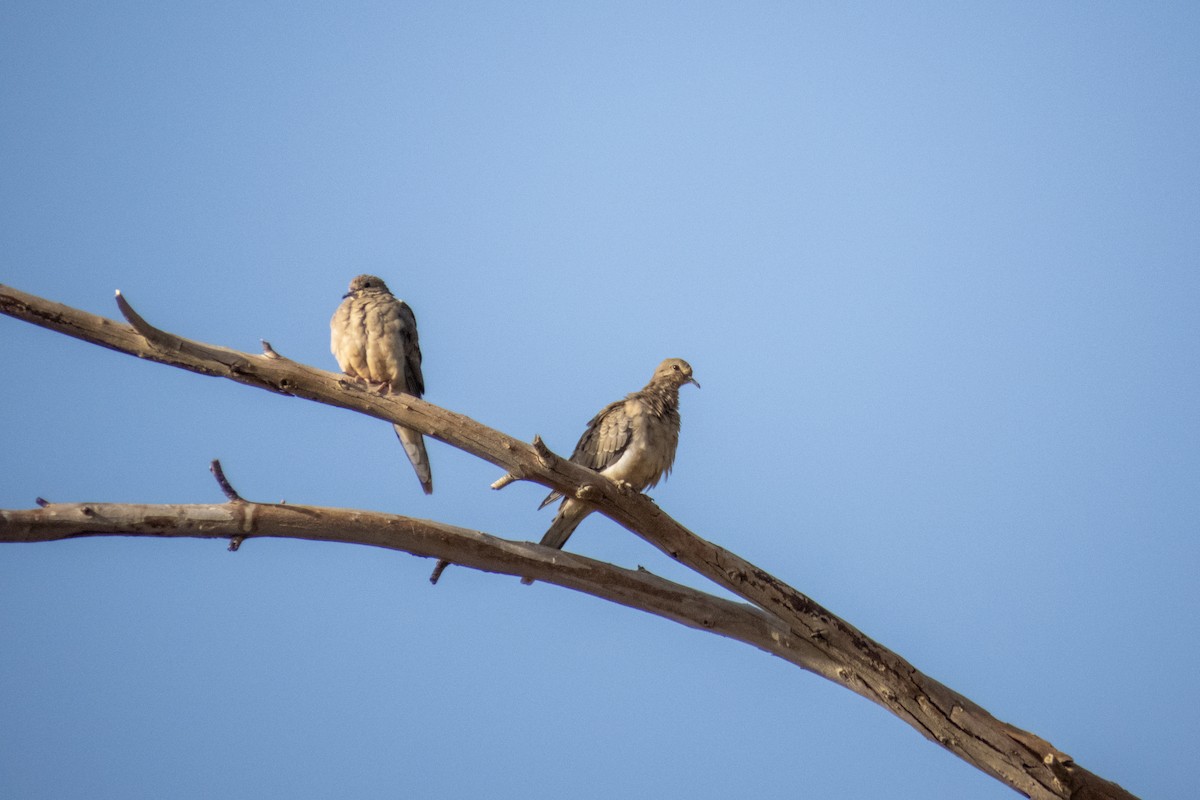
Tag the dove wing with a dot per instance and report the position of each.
(603, 442)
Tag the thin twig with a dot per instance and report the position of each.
(153, 335)
(504, 480)
(223, 482)
(438, 570)
(235, 541)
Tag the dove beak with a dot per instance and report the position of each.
(693, 380)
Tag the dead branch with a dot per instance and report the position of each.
(1023, 761)
(244, 520)
(226, 488)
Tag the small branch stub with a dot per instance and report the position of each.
(227, 488)
(505, 480)
(151, 334)
(545, 456)
(223, 482)
(438, 570)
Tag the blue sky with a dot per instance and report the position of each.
(936, 265)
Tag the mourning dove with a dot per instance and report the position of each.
(373, 336)
(631, 442)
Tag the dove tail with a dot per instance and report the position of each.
(414, 446)
(569, 515)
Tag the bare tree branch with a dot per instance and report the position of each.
(244, 520)
(1023, 761)
(226, 488)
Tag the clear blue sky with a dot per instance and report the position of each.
(936, 265)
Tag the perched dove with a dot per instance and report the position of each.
(631, 442)
(373, 336)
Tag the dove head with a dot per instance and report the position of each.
(367, 283)
(674, 372)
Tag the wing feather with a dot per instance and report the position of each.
(603, 442)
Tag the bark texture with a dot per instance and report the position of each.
(239, 520)
(832, 647)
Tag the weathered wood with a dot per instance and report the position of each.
(1021, 760)
(243, 520)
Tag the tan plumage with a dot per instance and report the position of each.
(631, 441)
(373, 336)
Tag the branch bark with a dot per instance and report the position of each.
(1023, 761)
(242, 520)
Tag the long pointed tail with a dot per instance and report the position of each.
(570, 514)
(414, 446)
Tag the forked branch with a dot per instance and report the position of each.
(1023, 761)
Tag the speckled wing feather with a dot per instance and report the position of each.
(603, 442)
(406, 332)
(631, 442)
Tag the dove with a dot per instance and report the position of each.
(631, 442)
(373, 336)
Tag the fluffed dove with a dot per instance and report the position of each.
(631, 442)
(373, 336)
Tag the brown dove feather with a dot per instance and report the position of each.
(631, 442)
(373, 336)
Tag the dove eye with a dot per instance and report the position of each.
(675, 367)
